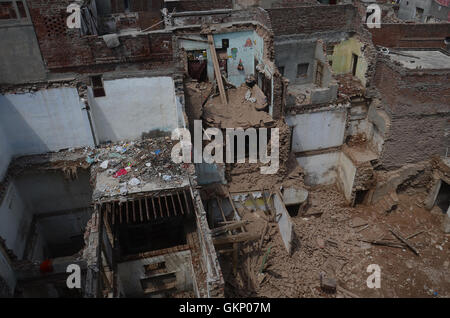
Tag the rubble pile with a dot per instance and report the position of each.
(133, 164)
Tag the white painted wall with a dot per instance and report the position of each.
(285, 224)
(133, 106)
(130, 273)
(5, 153)
(15, 220)
(43, 121)
(346, 172)
(320, 169)
(7, 273)
(318, 130)
(59, 193)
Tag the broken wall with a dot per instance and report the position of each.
(132, 273)
(61, 210)
(44, 121)
(346, 173)
(241, 48)
(198, 5)
(134, 106)
(343, 55)
(317, 130)
(399, 35)
(312, 19)
(417, 103)
(284, 221)
(63, 48)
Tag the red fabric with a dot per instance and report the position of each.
(119, 173)
(46, 266)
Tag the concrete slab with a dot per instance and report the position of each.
(293, 196)
(422, 59)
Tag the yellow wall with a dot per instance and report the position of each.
(342, 58)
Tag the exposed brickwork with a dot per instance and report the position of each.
(417, 102)
(118, 6)
(309, 19)
(199, 5)
(65, 48)
(411, 35)
(292, 3)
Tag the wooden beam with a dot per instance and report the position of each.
(140, 210)
(219, 203)
(113, 214)
(134, 211)
(120, 213)
(173, 203)
(160, 207)
(154, 209)
(181, 204)
(186, 200)
(237, 238)
(212, 48)
(146, 209)
(232, 226)
(127, 214)
(167, 205)
(404, 241)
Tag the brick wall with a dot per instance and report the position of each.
(310, 19)
(199, 5)
(65, 48)
(417, 102)
(292, 3)
(117, 6)
(411, 35)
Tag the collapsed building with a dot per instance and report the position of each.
(86, 119)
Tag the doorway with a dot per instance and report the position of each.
(354, 63)
(197, 65)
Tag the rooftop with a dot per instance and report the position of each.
(421, 59)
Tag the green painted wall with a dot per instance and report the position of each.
(342, 58)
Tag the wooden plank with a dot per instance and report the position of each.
(154, 209)
(113, 214)
(126, 211)
(134, 211)
(120, 213)
(160, 207)
(186, 200)
(146, 209)
(237, 238)
(167, 205)
(140, 210)
(404, 241)
(232, 226)
(212, 48)
(181, 204)
(173, 203)
(219, 203)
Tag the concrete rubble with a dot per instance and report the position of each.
(89, 120)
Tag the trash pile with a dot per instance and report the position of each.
(121, 166)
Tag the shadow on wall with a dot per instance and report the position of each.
(19, 134)
(44, 121)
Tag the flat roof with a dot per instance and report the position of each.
(425, 59)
